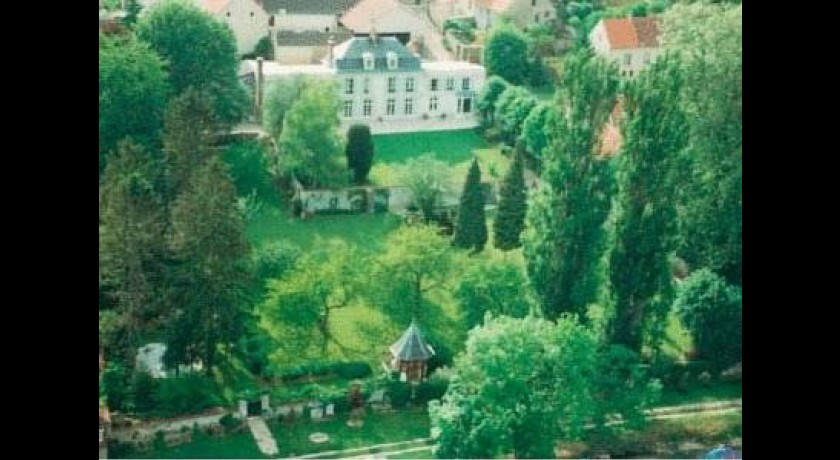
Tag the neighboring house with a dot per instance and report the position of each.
(383, 84)
(611, 140)
(523, 13)
(387, 17)
(307, 15)
(441, 10)
(632, 43)
(246, 18)
(307, 47)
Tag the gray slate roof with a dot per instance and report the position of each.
(411, 346)
(351, 59)
(308, 6)
(309, 37)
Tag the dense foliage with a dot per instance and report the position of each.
(565, 236)
(132, 95)
(200, 52)
(522, 385)
(506, 54)
(711, 310)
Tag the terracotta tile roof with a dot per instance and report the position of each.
(496, 5)
(610, 140)
(647, 31)
(630, 33)
(214, 6)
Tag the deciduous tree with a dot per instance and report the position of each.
(522, 385)
(200, 52)
(711, 310)
(310, 144)
(132, 95)
(506, 54)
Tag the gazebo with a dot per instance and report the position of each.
(410, 353)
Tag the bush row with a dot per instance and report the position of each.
(345, 370)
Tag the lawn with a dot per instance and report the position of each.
(378, 429)
(239, 445)
(367, 231)
(452, 147)
(696, 393)
(663, 438)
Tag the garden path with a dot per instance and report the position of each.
(265, 440)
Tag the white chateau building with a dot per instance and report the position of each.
(383, 84)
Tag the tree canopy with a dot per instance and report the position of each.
(200, 52)
(708, 39)
(521, 385)
(133, 89)
(310, 145)
(506, 54)
(565, 237)
(428, 179)
(711, 310)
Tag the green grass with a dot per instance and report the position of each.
(696, 393)
(367, 231)
(452, 147)
(377, 429)
(426, 453)
(668, 435)
(239, 445)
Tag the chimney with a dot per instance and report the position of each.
(258, 90)
(330, 51)
(373, 36)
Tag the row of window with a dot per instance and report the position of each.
(349, 85)
(464, 106)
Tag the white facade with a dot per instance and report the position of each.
(630, 61)
(440, 95)
(422, 96)
(524, 13)
(299, 22)
(248, 21)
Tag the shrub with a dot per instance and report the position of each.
(229, 422)
(433, 388)
(346, 370)
(353, 370)
(188, 394)
(399, 394)
(711, 310)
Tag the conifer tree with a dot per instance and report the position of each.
(471, 226)
(510, 216)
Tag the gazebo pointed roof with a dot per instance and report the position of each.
(411, 346)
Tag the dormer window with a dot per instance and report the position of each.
(392, 60)
(367, 61)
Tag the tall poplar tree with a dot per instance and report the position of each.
(645, 219)
(564, 238)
